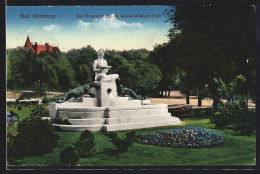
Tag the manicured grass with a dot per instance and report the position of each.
(236, 150)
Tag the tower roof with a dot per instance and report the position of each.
(27, 42)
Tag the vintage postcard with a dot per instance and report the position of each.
(130, 85)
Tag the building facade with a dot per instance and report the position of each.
(37, 49)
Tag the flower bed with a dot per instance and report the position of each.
(184, 137)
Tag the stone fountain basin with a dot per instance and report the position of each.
(113, 118)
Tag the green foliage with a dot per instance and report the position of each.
(236, 108)
(237, 149)
(22, 64)
(234, 91)
(81, 61)
(35, 137)
(46, 100)
(84, 74)
(50, 76)
(135, 70)
(11, 156)
(245, 121)
(20, 107)
(233, 113)
(85, 145)
(123, 142)
(69, 156)
(57, 72)
(201, 50)
(52, 69)
(221, 119)
(40, 111)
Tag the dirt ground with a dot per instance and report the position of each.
(12, 96)
(179, 100)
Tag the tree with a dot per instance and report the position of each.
(56, 71)
(147, 79)
(21, 65)
(50, 77)
(84, 74)
(65, 73)
(212, 40)
(135, 70)
(161, 56)
(79, 59)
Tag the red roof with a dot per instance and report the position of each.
(40, 48)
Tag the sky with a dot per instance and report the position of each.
(102, 27)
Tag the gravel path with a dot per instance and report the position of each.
(177, 100)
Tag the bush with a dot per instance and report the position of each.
(184, 137)
(35, 137)
(47, 100)
(122, 143)
(69, 156)
(221, 119)
(27, 96)
(19, 107)
(85, 145)
(233, 112)
(11, 157)
(245, 122)
(41, 111)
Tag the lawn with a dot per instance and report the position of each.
(236, 150)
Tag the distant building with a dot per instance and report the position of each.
(40, 48)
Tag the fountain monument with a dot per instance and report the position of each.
(107, 109)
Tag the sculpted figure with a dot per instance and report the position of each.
(100, 68)
(123, 91)
(78, 92)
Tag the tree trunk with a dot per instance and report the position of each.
(161, 93)
(169, 92)
(215, 103)
(187, 91)
(199, 99)
(187, 96)
(215, 98)
(165, 93)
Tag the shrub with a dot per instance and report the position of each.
(39, 92)
(19, 107)
(221, 119)
(69, 156)
(85, 145)
(11, 157)
(179, 111)
(24, 96)
(233, 112)
(35, 137)
(184, 137)
(123, 142)
(245, 122)
(47, 100)
(40, 110)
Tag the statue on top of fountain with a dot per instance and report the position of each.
(101, 68)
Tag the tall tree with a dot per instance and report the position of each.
(22, 68)
(213, 41)
(78, 58)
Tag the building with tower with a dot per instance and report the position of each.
(36, 48)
